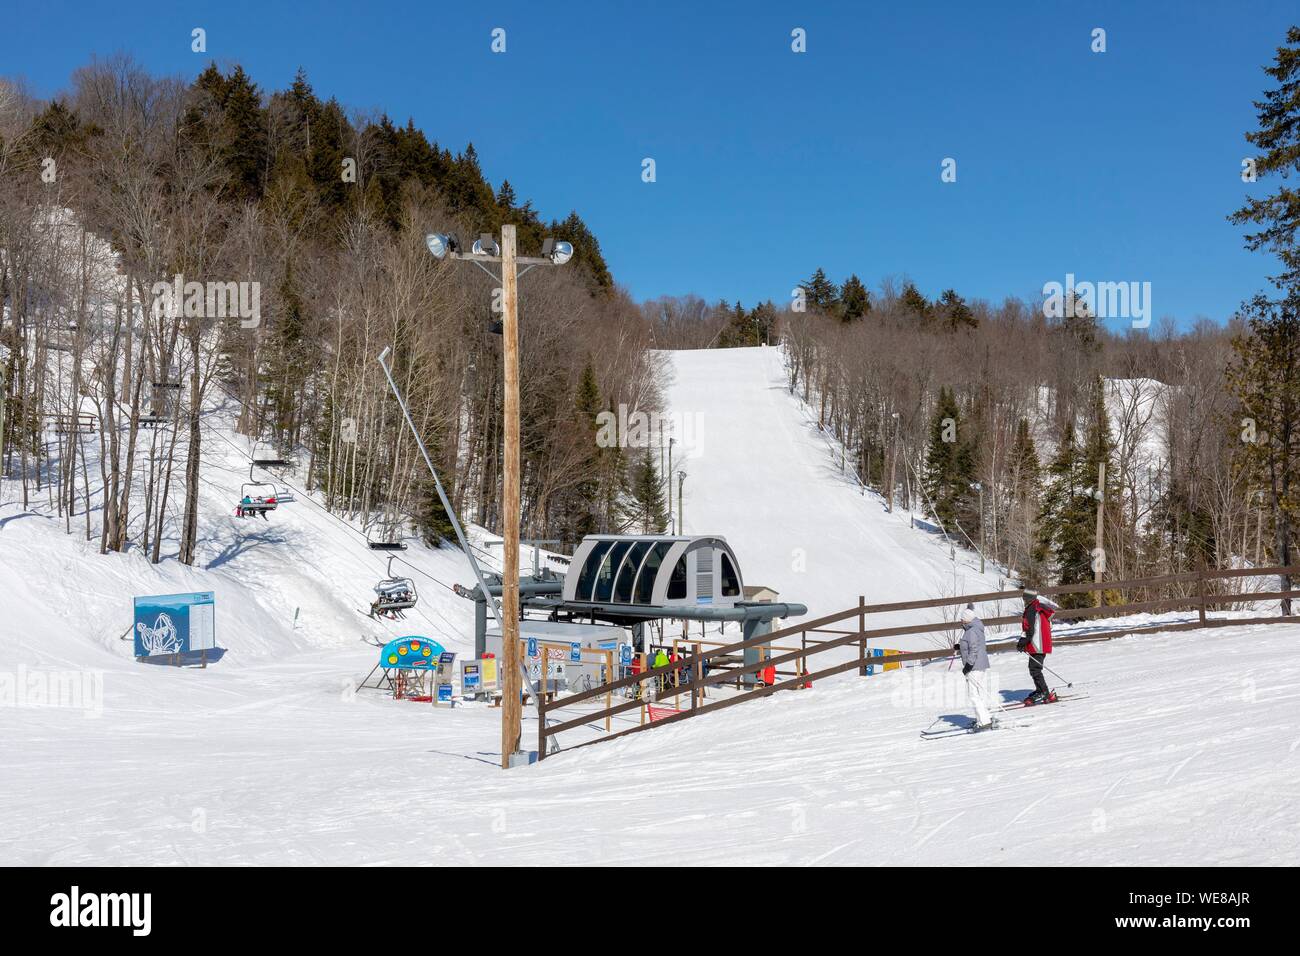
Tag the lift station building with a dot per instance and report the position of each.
(630, 580)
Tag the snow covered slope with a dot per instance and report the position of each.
(759, 473)
(1186, 752)
(295, 580)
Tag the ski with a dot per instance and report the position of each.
(966, 731)
(1010, 708)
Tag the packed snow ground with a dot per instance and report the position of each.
(761, 474)
(1186, 751)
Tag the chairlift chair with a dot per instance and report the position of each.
(280, 490)
(256, 498)
(269, 461)
(393, 595)
(162, 396)
(394, 544)
(77, 423)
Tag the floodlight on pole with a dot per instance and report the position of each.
(440, 244)
(485, 245)
(558, 252)
(485, 250)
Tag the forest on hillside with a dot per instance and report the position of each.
(129, 179)
(992, 419)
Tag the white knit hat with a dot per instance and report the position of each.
(967, 615)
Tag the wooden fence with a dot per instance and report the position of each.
(1200, 596)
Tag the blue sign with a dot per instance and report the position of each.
(625, 654)
(532, 647)
(470, 678)
(874, 652)
(444, 693)
(575, 652)
(410, 652)
(169, 624)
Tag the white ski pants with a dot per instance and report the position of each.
(979, 697)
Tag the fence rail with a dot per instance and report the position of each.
(692, 667)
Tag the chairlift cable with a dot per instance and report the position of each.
(305, 497)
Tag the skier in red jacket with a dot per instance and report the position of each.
(1036, 641)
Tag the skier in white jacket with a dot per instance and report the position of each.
(975, 665)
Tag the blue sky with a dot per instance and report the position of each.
(1113, 166)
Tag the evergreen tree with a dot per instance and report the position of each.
(1066, 529)
(286, 369)
(56, 131)
(1079, 325)
(468, 193)
(1265, 378)
(586, 252)
(748, 329)
(821, 293)
(1098, 445)
(956, 313)
(506, 195)
(581, 517)
(949, 465)
(763, 320)
(431, 517)
(1278, 136)
(645, 510)
(912, 301)
(226, 119)
(855, 301)
(244, 140)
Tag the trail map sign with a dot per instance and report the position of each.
(175, 624)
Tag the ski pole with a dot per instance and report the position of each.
(1057, 676)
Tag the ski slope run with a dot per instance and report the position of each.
(761, 474)
(1186, 752)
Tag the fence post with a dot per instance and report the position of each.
(862, 641)
(1200, 592)
(696, 674)
(541, 714)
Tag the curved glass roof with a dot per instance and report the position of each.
(623, 569)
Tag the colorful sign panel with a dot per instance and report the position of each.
(168, 624)
(410, 652)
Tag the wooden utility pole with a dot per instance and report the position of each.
(4, 393)
(511, 683)
(1099, 553)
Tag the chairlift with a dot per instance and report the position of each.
(269, 462)
(393, 595)
(162, 398)
(256, 498)
(280, 491)
(77, 423)
(386, 544)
